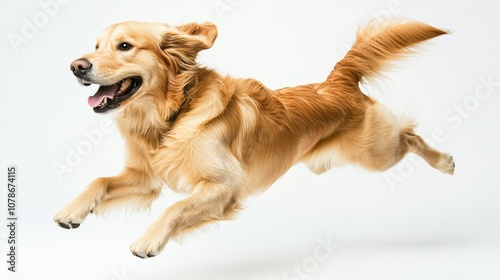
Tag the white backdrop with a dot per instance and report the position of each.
(411, 222)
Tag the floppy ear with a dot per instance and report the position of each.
(203, 35)
(190, 38)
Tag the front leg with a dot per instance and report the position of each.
(130, 184)
(209, 202)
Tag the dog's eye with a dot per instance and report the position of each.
(124, 46)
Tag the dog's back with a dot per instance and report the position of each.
(334, 123)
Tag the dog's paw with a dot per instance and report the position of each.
(446, 164)
(149, 245)
(71, 216)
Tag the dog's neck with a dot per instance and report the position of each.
(151, 119)
(176, 114)
(148, 122)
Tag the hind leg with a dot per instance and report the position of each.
(390, 149)
(385, 154)
(441, 161)
(378, 143)
(386, 140)
(382, 140)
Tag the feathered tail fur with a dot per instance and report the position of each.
(379, 43)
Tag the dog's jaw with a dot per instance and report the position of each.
(110, 97)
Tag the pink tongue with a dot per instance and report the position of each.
(103, 91)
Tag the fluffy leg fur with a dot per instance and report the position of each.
(130, 187)
(209, 203)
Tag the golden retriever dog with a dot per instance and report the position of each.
(220, 139)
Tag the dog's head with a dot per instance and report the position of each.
(134, 58)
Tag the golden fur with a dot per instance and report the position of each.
(221, 139)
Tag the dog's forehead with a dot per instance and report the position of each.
(133, 30)
(116, 31)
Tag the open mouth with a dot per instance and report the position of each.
(110, 96)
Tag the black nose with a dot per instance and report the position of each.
(80, 67)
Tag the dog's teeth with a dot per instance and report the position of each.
(104, 102)
(125, 84)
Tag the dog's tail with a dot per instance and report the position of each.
(377, 44)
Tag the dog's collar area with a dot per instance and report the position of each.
(176, 114)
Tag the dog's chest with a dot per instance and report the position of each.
(172, 167)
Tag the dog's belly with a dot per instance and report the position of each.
(180, 184)
(324, 159)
